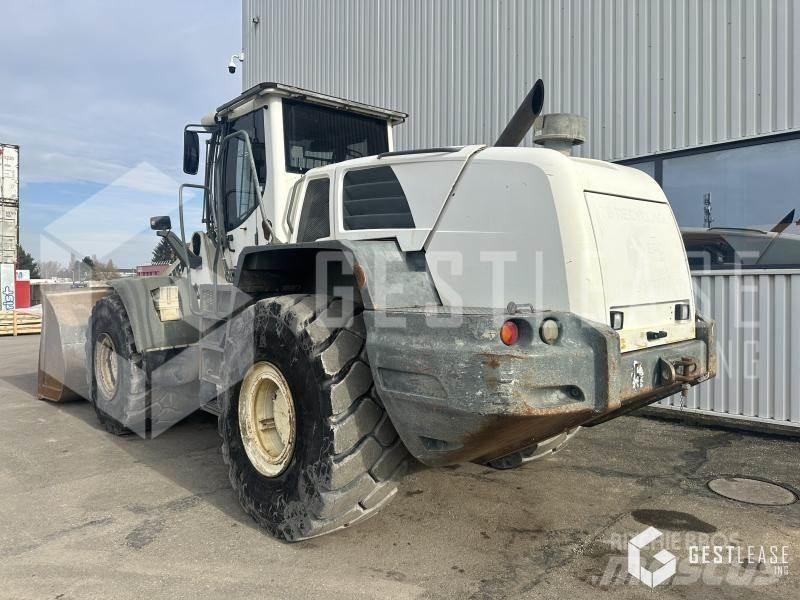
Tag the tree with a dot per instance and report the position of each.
(51, 268)
(26, 262)
(81, 270)
(101, 270)
(163, 252)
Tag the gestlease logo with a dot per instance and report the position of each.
(665, 557)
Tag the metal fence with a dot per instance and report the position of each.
(758, 331)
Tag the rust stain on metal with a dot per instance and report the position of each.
(523, 425)
(496, 380)
(503, 435)
(494, 360)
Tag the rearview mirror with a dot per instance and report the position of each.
(163, 223)
(191, 152)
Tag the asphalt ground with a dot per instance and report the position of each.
(84, 514)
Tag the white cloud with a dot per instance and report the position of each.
(114, 222)
(92, 89)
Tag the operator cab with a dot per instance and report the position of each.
(262, 143)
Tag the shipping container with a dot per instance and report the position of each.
(9, 173)
(9, 231)
(7, 287)
(9, 202)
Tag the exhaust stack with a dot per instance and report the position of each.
(523, 119)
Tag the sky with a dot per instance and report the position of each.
(96, 94)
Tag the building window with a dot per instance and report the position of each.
(750, 183)
(648, 167)
(749, 186)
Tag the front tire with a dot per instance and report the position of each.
(331, 457)
(117, 380)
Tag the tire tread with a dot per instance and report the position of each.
(111, 307)
(366, 458)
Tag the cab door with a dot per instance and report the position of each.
(240, 191)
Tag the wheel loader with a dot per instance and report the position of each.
(350, 308)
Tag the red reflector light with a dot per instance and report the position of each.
(509, 333)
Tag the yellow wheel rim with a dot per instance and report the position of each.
(267, 420)
(106, 366)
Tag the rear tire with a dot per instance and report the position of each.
(345, 458)
(117, 380)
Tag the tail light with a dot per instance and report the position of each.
(509, 333)
(549, 331)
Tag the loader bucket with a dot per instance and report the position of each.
(62, 347)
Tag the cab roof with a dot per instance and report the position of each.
(268, 87)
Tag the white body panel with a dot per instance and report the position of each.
(638, 245)
(499, 225)
(534, 226)
(498, 239)
(426, 181)
(205, 274)
(279, 182)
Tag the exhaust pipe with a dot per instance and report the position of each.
(523, 119)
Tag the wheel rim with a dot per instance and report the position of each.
(267, 420)
(106, 365)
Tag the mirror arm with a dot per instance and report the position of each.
(192, 260)
(186, 258)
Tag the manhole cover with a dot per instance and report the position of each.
(752, 491)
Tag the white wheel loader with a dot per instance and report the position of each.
(349, 307)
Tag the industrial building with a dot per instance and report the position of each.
(704, 96)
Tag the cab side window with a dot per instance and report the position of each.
(240, 194)
(315, 222)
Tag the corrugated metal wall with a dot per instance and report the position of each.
(651, 75)
(758, 332)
